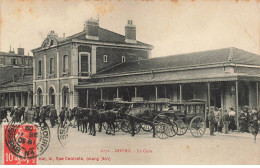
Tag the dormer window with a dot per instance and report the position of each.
(123, 59)
(140, 58)
(105, 58)
(52, 43)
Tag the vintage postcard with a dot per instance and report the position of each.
(147, 82)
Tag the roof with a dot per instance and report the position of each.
(11, 54)
(20, 85)
(187, 60)
(104, 36)
(177, 78)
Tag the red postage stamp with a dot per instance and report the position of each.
(24, 142)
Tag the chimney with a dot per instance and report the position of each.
(52, 33)
(20, 51)
(130, 32)
(91, 28)
(11, 52)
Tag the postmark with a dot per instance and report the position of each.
(26, 141)
(62, 133)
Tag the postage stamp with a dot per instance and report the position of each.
(25, 142)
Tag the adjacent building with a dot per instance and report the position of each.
(16, 70)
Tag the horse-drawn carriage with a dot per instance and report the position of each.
(167, 118)
(186, 115)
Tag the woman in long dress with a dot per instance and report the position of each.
(254, 123)
(232, 125)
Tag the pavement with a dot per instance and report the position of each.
(122, 148)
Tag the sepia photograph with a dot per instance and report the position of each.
(134, 82)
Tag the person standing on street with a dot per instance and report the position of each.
(212, 121)
(225, 121)
(216, 114)
(232, 125)
(220, 122)
(242, 121)
(254, 123)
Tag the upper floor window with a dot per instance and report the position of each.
(84, 63)
(39, 68)
(123, 59)
(51, 65)
(65, 63)
(105, 58)
(14, 61)
(1, 60)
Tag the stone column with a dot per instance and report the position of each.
(93, 59)
(237, 104)
(28, 99)
(9, 99)
(22, 100)
(180, 92)
(87, 98)
(156, 93)
(257, 96)
(44, 94)
(208, 84)
(117, 92)
(74, 60)
(135, 91)
(101, 94)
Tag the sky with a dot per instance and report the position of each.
(172, 27)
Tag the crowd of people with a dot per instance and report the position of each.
(222, 121)
(225, 121)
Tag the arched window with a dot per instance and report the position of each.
(39, 97)
(51, 65)
(65, 96)
(51, 96)
(104, 58)
(65, 63)
(123, 59)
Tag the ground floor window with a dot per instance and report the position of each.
(51, 96)
(65, 96)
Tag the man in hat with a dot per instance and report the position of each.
(220, 120)
(225, 121)
(212, 121)
(216, 114)
(53, 115)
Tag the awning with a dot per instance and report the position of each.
(164, 80)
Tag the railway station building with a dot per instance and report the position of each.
(98, 64)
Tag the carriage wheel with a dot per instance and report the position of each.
(161, 130)
(197, 126)
(137, 127)
(117, 126)
(105, 126)
(146, 128)
(124, 125)
(182, 127)
(173, 129)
